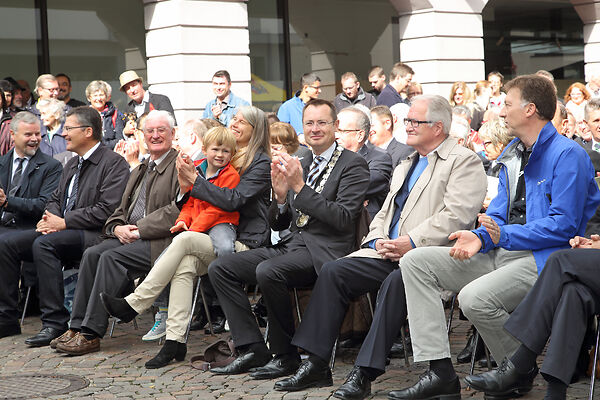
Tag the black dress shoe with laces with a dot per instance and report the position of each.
(10, 329)
(504, 382)
(307, 376)
(117, 307)
(466, 353)
(243, 363)
(44, 337)
(170, 350)
(356, 387)
(429, 386)
(281, 365)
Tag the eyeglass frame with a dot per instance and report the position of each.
(418, 123)
(320, 124)
(70, 128)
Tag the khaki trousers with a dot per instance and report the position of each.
(188, 256)
(490, 287)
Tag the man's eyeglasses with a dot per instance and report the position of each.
(415, 123)
(160, 130)
(51, 90)
(70, 128)
(347, 131)
(320, 124)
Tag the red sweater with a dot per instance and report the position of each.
(200, 215)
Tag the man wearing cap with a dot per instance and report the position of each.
(142, 101)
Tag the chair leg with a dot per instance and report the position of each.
(25, 305)
(206, 310)
(593, 378)
(112, 327)
(451, 313)
(487, 357)
(187, 331)
(403, 337)
(332, 361)
(371, 308)
(475, 342)
(297, 306)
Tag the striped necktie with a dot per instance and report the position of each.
(16, 179)
(73, 197)
(139, 210)
(314, 171)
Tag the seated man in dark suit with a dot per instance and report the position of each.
(352, 133)
(142, 101)
(27, 176)
(137, 233)
(382, 135)
(561, 303)
(321, 198)
(440, 187)
(89, 190)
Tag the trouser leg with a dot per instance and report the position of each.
(50, 253)
(488, 301)
(85, 279)
(115, 269)
(14, 248)
(389, 317)
(339, 282)
(424, 271)
(222, 237)
(228, 275)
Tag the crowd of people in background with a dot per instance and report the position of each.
(389, 190)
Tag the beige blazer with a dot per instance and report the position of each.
(446, 198)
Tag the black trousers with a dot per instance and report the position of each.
(276, 270)
(107, 267)
(49, 253)
(339, 282)
(561, 302)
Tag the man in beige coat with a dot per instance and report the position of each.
(436, 190)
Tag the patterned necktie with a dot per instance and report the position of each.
(314, 171)
(73, 197)
(139, 210)
(16, 179)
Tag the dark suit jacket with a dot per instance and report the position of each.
(595, 157)
(389, 97)
(398, 151)
(101, 183)
(162, 209)
(329, 233)
(158, 101)
(38, 181)
(380, 170)
(250, 198)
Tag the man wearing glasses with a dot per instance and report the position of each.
(89, 190)
(291, 110)
(436, 190)
(46, 87)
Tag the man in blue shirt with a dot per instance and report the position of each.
(291, 110)
(224, 106)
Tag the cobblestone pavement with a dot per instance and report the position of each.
(117, 371)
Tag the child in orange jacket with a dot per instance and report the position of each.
(200, 216)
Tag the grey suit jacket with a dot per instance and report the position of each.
(446, 198)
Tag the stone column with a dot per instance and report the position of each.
(442, 41)
(589, 12)
(187, 41)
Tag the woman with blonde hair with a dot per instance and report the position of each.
(460, 94)
(576, 98)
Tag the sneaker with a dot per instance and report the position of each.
(159, 329)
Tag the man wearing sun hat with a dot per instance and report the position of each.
(142, 101)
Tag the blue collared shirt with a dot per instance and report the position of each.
(291, 112)
(231, 106)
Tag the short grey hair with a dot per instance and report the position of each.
(591, 106)
(95, 86)
(309, 78)
(42, 79)
(460, 130)
(495, 131)
(363, 120)
(54, 107)
(198, 127)
(160, 114)
(438, 110)
(23, 117)
(462, 111)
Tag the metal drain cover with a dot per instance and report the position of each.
(39, 385)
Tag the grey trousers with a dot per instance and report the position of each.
(490, 287)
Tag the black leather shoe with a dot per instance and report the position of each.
(465, 354)
(170, 350)
(307, 376)
(218, 325)
(199, 322)
(10, 330)
(356, 387)
(430, 386)
(243, 363)
(45, 336)
(281, 365)
(117, 307)
(504, 382)
(397, 350)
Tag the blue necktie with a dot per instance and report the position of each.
(402, 195)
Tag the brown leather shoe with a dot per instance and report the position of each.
(64, 338)
(79, 345)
